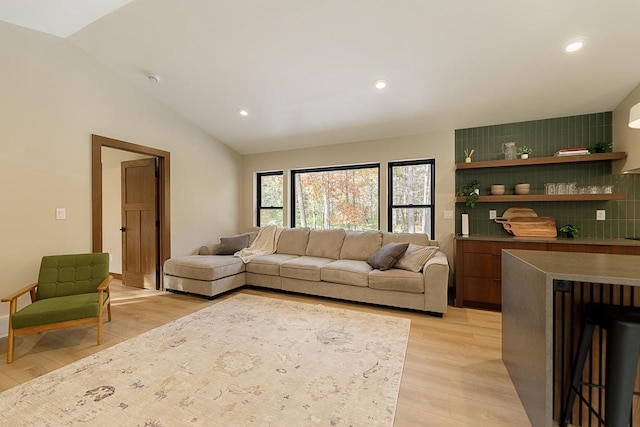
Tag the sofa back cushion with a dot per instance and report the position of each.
(415, 238)
(325, 243)
(360, 245)
(293, 241)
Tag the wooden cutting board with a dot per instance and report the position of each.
(544, 226)
(516, 211)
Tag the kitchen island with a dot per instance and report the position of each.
(543, 295)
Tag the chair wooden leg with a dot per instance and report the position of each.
(109, 311)
(10, 344)
(99, 330)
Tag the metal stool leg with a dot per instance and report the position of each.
(581, 356)
(623, 345)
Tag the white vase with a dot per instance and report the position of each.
(524, 156)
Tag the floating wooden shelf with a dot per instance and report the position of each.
(543, 161)
(547, 198)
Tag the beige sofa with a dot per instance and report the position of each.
(330, 263)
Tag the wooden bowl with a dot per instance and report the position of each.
(497, 189)
(522, 189)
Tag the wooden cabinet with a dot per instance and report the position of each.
(478, 265)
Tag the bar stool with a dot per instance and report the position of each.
(623, 347)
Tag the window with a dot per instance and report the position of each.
(270, 198)
(337, 197)
(411, 196)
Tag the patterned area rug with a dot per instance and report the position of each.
(246, 361)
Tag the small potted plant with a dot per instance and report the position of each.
(602, 147)
(471, 191)
(570, 230)
(524, 151)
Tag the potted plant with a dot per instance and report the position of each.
(524, 151)
(570, 230)
(602, 147)
(471, 191)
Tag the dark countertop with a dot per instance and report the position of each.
(564, 240)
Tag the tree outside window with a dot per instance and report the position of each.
(270, 198)
(338, 197)
(411, 196)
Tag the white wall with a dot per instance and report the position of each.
(53, 96)
(112, 203)
(435, 145)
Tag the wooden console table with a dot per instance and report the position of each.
(478, 274)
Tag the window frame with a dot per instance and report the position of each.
(431, 207)
(259, 176)
(294, 172)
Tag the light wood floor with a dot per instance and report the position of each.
(453, 373)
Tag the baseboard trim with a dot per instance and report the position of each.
(116, 275)
(4, 326)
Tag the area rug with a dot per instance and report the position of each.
(246, 361)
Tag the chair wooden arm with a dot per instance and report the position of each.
(105, 283)
(31, 288)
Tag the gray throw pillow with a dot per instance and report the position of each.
(231, 245)
(387, 255)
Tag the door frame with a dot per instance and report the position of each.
(164, 199)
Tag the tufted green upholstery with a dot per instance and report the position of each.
(62, 275)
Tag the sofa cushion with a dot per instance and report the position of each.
(268, 264)
(293, 241)
(325, 243)
(304, 268)
(360, 245)
(204, 267)
(416, 257)
(416, 239)
(397, 280)
(231, 245)
(387, 255)
(347, 272)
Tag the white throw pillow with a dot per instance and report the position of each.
(416, 257)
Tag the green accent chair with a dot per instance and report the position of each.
(72, 290)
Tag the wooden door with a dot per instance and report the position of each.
(139, 223)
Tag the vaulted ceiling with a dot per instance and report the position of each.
(304, 70)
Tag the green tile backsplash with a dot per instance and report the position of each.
(546, 137)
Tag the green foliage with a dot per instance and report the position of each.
(570, 229)
(524, 149)
(470, 192)
(601, 147)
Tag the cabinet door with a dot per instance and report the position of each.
(481, 265)
(482, 292)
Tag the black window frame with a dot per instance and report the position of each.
(431, 206)
(329, 169)
(259, 176)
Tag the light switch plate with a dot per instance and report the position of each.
(448, 214)
(61, 213)
(601, 214)
(492, 214)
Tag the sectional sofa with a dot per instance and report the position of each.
(329, 263)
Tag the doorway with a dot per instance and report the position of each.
(163, 225)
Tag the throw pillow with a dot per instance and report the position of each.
(416, 257)
(387, 255)
(231, 245)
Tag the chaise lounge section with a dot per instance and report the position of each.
(328, 263)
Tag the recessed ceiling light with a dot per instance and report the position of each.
(243, 112)
(380, 84)
(575, 45)
(153, 78)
